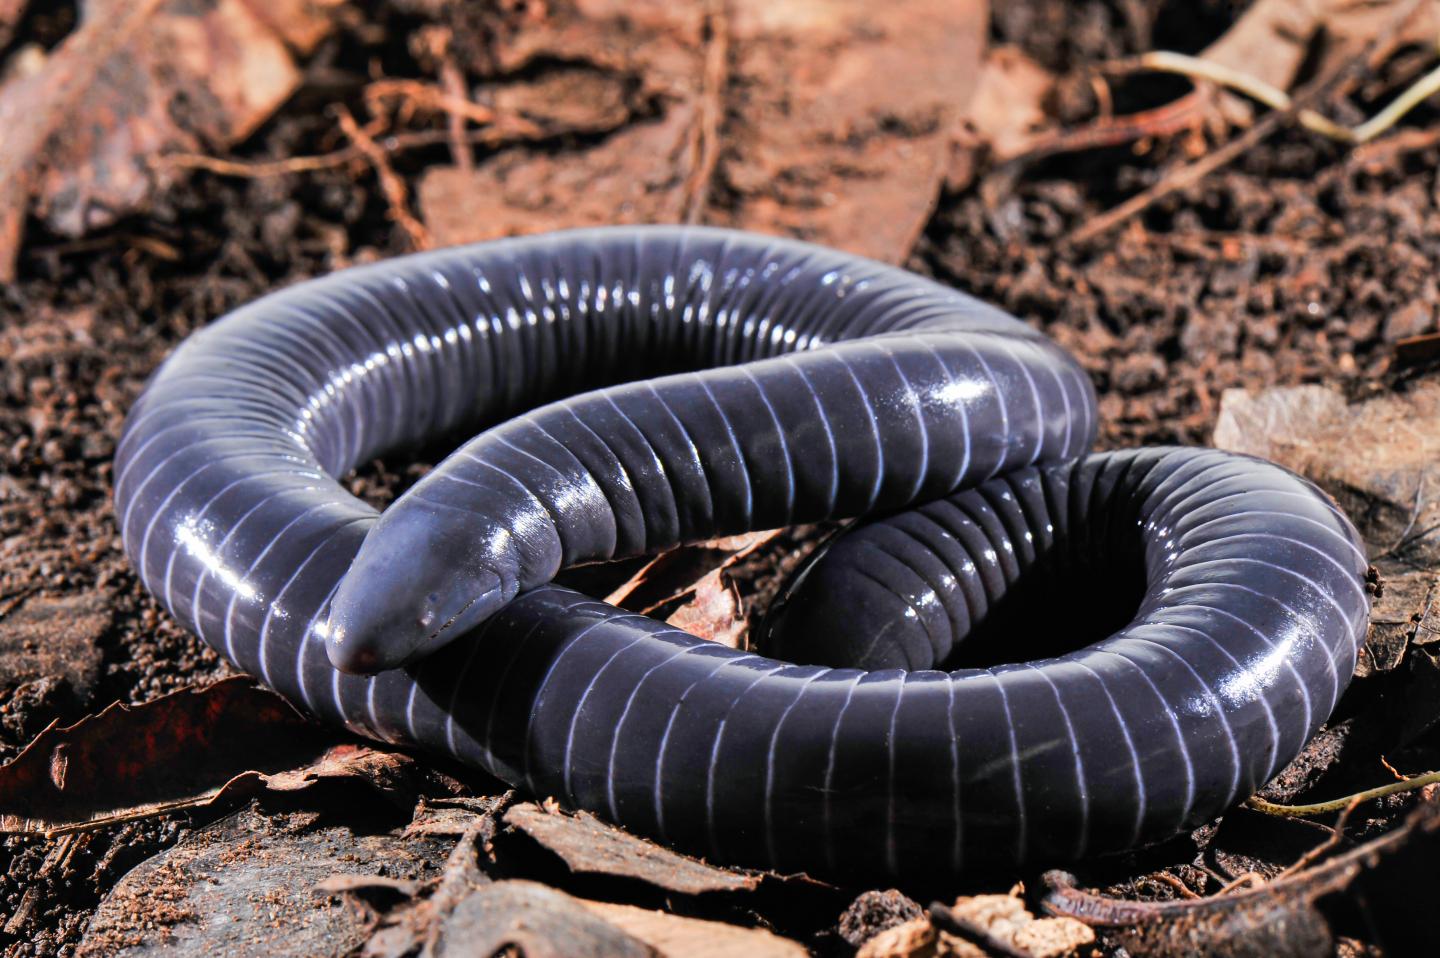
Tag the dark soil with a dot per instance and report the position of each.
(1298, 264)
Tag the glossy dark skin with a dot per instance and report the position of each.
(760, 383)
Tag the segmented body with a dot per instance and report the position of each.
(764, 382)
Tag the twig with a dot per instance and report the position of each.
(261, 169)
(1198, 68)
(1339, 804)
(1195, 172)
(391, 185)
(706, 142)
(428, 97)
(1337, 835)
(1174, 117)
(1184, 890)
(1179, 179)
(453, 82)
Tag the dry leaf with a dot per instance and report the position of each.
(589, 845)
(1390, 490)
(58, 637)
(674, 936)
(532, 920)
(148, 77)
(183, 750)
(813, 145)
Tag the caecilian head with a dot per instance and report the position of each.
(420, 580)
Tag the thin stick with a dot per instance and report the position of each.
(1197, 171)
(1180, 179)
(1198, 68)
(1339, 804)
(260, 169)
(706, 143)
(453, 82)
(391, 185)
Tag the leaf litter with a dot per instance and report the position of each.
(560, 122)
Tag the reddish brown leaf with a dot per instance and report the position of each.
(713, 611)
(183, 750)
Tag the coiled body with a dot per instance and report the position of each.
(766, 382)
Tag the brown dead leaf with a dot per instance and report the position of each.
(588, 845)
(675, 936)
(713, 611)
(148, 77)
(632, 71)
(530, 919)
(1391, 490)
(813, 145)
(842, 134)
(1008, 109)
(693, 588)
(184, 750)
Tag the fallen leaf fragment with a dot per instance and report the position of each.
(133, 81)
(187, 749)
(675, 936)
(533, 920)
(588, 845)
(775, 105)
(713, 611)
(248, 884)
(10, 13)
(1376, 457)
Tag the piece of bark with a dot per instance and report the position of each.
(588, 845)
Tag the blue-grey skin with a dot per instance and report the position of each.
(770, 382)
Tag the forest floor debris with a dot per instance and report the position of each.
(1301, 264)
